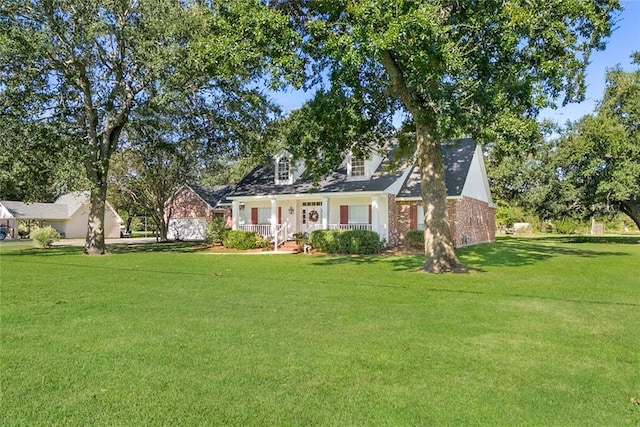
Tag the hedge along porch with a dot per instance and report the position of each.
(290, 214)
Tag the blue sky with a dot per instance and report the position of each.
(624, 40)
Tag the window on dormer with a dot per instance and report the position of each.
(357, 167)
(284, 171)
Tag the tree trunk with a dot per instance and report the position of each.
(439, 250)
(631, 208)
(95, 242)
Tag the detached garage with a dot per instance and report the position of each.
(192, 207)
(69, 215)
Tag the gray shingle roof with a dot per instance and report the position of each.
(50, 211)
(457, 156)
(214, 196)
(260, 182)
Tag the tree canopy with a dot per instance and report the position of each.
(456, 68)
(599, 156)
(87, 66)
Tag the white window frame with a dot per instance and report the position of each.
(280, 174)
(354, 166)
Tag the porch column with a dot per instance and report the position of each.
(325, 213)
(235, 214)
(375, 214)
(274, 216)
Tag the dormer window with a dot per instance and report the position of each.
(284, 169)
(357, 167)
(284, 174)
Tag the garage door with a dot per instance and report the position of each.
(187, 229)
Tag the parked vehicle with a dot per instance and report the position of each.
(3, 232)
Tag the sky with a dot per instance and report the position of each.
(624, 40)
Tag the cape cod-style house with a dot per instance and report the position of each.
(280, 200)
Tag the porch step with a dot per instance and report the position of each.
(289, 245)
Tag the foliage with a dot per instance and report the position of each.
(455, 68)
(566, 226)
(240, 239)
(45, 236)
(599, 156)
(38, 163)
(347, 241)
(89, 67)
(414, 240)
(592, 168)
(339, 340)
(301, 239)
(216, 230)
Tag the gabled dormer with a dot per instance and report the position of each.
(360, 168)
(286, 170)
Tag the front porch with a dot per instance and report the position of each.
(280, 218)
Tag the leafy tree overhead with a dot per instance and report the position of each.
(165, 148)
(600, 154)
(456, 67)
(87, 66)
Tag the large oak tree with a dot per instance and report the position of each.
(87, 65)
(599, 156)
(456, 67)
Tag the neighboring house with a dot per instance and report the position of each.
(69, 215)
(192, 207)
(366, 194)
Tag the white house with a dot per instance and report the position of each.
(69, 215)
(280, 199)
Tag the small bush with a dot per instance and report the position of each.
(45, 236)
(567, 226)
(301, 238)
(240, 239)
(414, 239)
(360, 242)
(216, 231)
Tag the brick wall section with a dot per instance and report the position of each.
(187, 204)
(394, 235)
(403, 223)
(471, 221)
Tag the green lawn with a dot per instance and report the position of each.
(541, 332)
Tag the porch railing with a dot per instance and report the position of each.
(262, 229)
(358, 226)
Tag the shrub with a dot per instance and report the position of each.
(414, 239)
(347, 241)
(301, 238)
(216, 231)
(325, 241)
(45, 236)
(240, 239)
(566, 226)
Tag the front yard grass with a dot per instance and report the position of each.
(541, 332)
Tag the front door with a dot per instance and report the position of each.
(310, 216)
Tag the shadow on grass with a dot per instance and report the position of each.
(522, 251)
(400, 262)
(511, 252)
(120, 248)
(156, 247)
